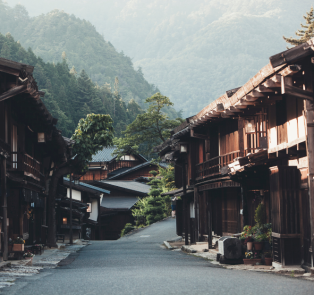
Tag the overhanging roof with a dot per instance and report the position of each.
(118, 202)
(125, 185)
(85, 186)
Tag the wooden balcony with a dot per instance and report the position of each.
(212, 167)
(28, 165)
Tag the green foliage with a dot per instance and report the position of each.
(155, 207)
(260, 215)
(58, 36)
(307, 31)
(148, 129)
(70, 97)
(91, 135)
(128, 227)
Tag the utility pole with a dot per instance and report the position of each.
(71, 231)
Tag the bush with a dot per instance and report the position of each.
(128, 227)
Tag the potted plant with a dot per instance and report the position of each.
(249, 243)
(268, 258)
(248, 257)
(28, 255)
(18, 244)
(259, 241)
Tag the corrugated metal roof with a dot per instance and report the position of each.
(89, 186)
(118, 202)
(105, 155)
(128, 184)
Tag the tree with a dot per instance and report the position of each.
(148, 129)
(91, 135)
(307, 31)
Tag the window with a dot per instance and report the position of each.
(14, 146)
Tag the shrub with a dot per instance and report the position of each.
(128, 227)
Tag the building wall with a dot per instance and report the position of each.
(94, 214)
(76, 195)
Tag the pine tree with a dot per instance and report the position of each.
(307, 31)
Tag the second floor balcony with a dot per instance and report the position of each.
(212, 167)
(26, 164)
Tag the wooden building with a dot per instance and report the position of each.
(253, 144)
(86, 201)
(115, 208)
(30, 145)
(104, 164)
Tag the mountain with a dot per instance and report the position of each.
(58, 34)
(70, 96)
(193, 50)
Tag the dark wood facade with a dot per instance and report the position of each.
(29, 145)
(251, 145)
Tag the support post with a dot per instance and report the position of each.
(4, 207)
(71, 231)
(185, 205)
(197, 219)
(309, 111)
(209, 221)
(244, 205)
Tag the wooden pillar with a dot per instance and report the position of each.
(185, 206)
(4, 207)
(309, 111)
(71, 229)
(197, 214)
(209, 221)
(245, 212)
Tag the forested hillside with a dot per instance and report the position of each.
(71, 96)
(52, 34)
(194, 50)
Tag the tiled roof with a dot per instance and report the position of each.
(129, 185)
(95, 188)
(129, 170)
(118, 202)
(105, 155)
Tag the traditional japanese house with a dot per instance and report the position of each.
(253, 144)
(115, 208)
(86, 201)
(104, 164)
(29, 145)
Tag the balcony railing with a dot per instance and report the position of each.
(212, 166)
(27, 164)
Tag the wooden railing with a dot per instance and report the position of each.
(212, 166)
(27, 164)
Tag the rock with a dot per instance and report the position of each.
(230, 248)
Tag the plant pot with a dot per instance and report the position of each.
(268, 261)
(18, 247)
(258, 246)
(249, 246)
(252, 261)
(248, 261)
(28, 257)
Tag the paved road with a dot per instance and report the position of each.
(139, 265)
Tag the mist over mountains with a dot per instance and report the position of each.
(192, 50)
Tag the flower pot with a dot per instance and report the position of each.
(18, 247)
(258, 246)
(268, 261)
(248, 261)
(249, 246)
(28, 257)
(252, 261)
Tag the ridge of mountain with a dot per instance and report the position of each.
(194, 50)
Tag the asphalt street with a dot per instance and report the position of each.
(138, 264)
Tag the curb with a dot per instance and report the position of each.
(188, 249)
(168, 245)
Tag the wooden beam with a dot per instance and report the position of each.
(13, 92)
(196, 135)
(287, 88)
(235, 110)
(263, 89)
(220, 107)
(256, 94)
(240, 107)
(250, 98)
(290, 70)
(271, 84)
(9, 70)
(246, 103)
